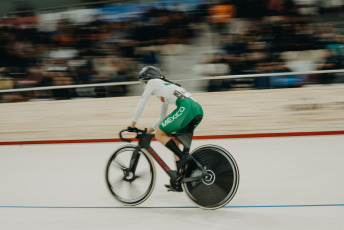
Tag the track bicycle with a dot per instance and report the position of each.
(210, 180)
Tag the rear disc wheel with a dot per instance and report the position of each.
(217, 189)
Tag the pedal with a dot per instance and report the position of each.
(170, 189)
(176, 177)
(173, 187)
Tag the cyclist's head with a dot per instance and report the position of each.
(150, 72)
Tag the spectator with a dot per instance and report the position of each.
(332, 61)
(34, 78)
(220, 16)
(60, 79)
(106, 51)
(288, 81)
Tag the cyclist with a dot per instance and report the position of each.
(155, 83)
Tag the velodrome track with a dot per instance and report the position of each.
(288, 145)
(286, 183)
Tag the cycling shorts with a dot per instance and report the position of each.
(179, 119)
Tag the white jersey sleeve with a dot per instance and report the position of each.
(145, 96)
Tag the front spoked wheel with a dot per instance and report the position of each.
(219, 188)
(130, 187)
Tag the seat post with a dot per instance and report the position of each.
(185, 139)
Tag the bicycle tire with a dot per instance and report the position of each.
(220, 188)
(124, 191)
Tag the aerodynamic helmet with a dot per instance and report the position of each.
(150, 72)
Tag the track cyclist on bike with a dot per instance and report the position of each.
(154, 83)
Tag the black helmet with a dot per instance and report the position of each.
(150, 72)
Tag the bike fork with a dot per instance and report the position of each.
(134, 160)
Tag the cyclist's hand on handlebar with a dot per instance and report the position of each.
(150, 130)
(132, 129)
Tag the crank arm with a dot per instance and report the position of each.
(190, 179)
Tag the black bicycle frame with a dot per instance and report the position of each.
(144, 142)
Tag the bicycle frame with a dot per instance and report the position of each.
(208, 164)
(144, 142)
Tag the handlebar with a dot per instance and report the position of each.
(132, 130)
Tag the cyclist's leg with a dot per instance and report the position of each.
(173, 145)
(176, 158)
(163, 138)
(179, 119)
(170, 143)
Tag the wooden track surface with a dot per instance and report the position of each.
(233, 112)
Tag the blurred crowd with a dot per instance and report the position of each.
(280, 36)
(253, 36)
(97, 52)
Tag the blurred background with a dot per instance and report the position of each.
(76, 42)
(54, 149)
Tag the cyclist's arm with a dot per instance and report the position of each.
(139, 109)
(163, 113)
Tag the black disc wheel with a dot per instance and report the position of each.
(130, 187)
(217, 189)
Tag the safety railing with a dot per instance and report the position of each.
(183, 80)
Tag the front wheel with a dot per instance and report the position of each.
(219, 188)
(130, 186)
